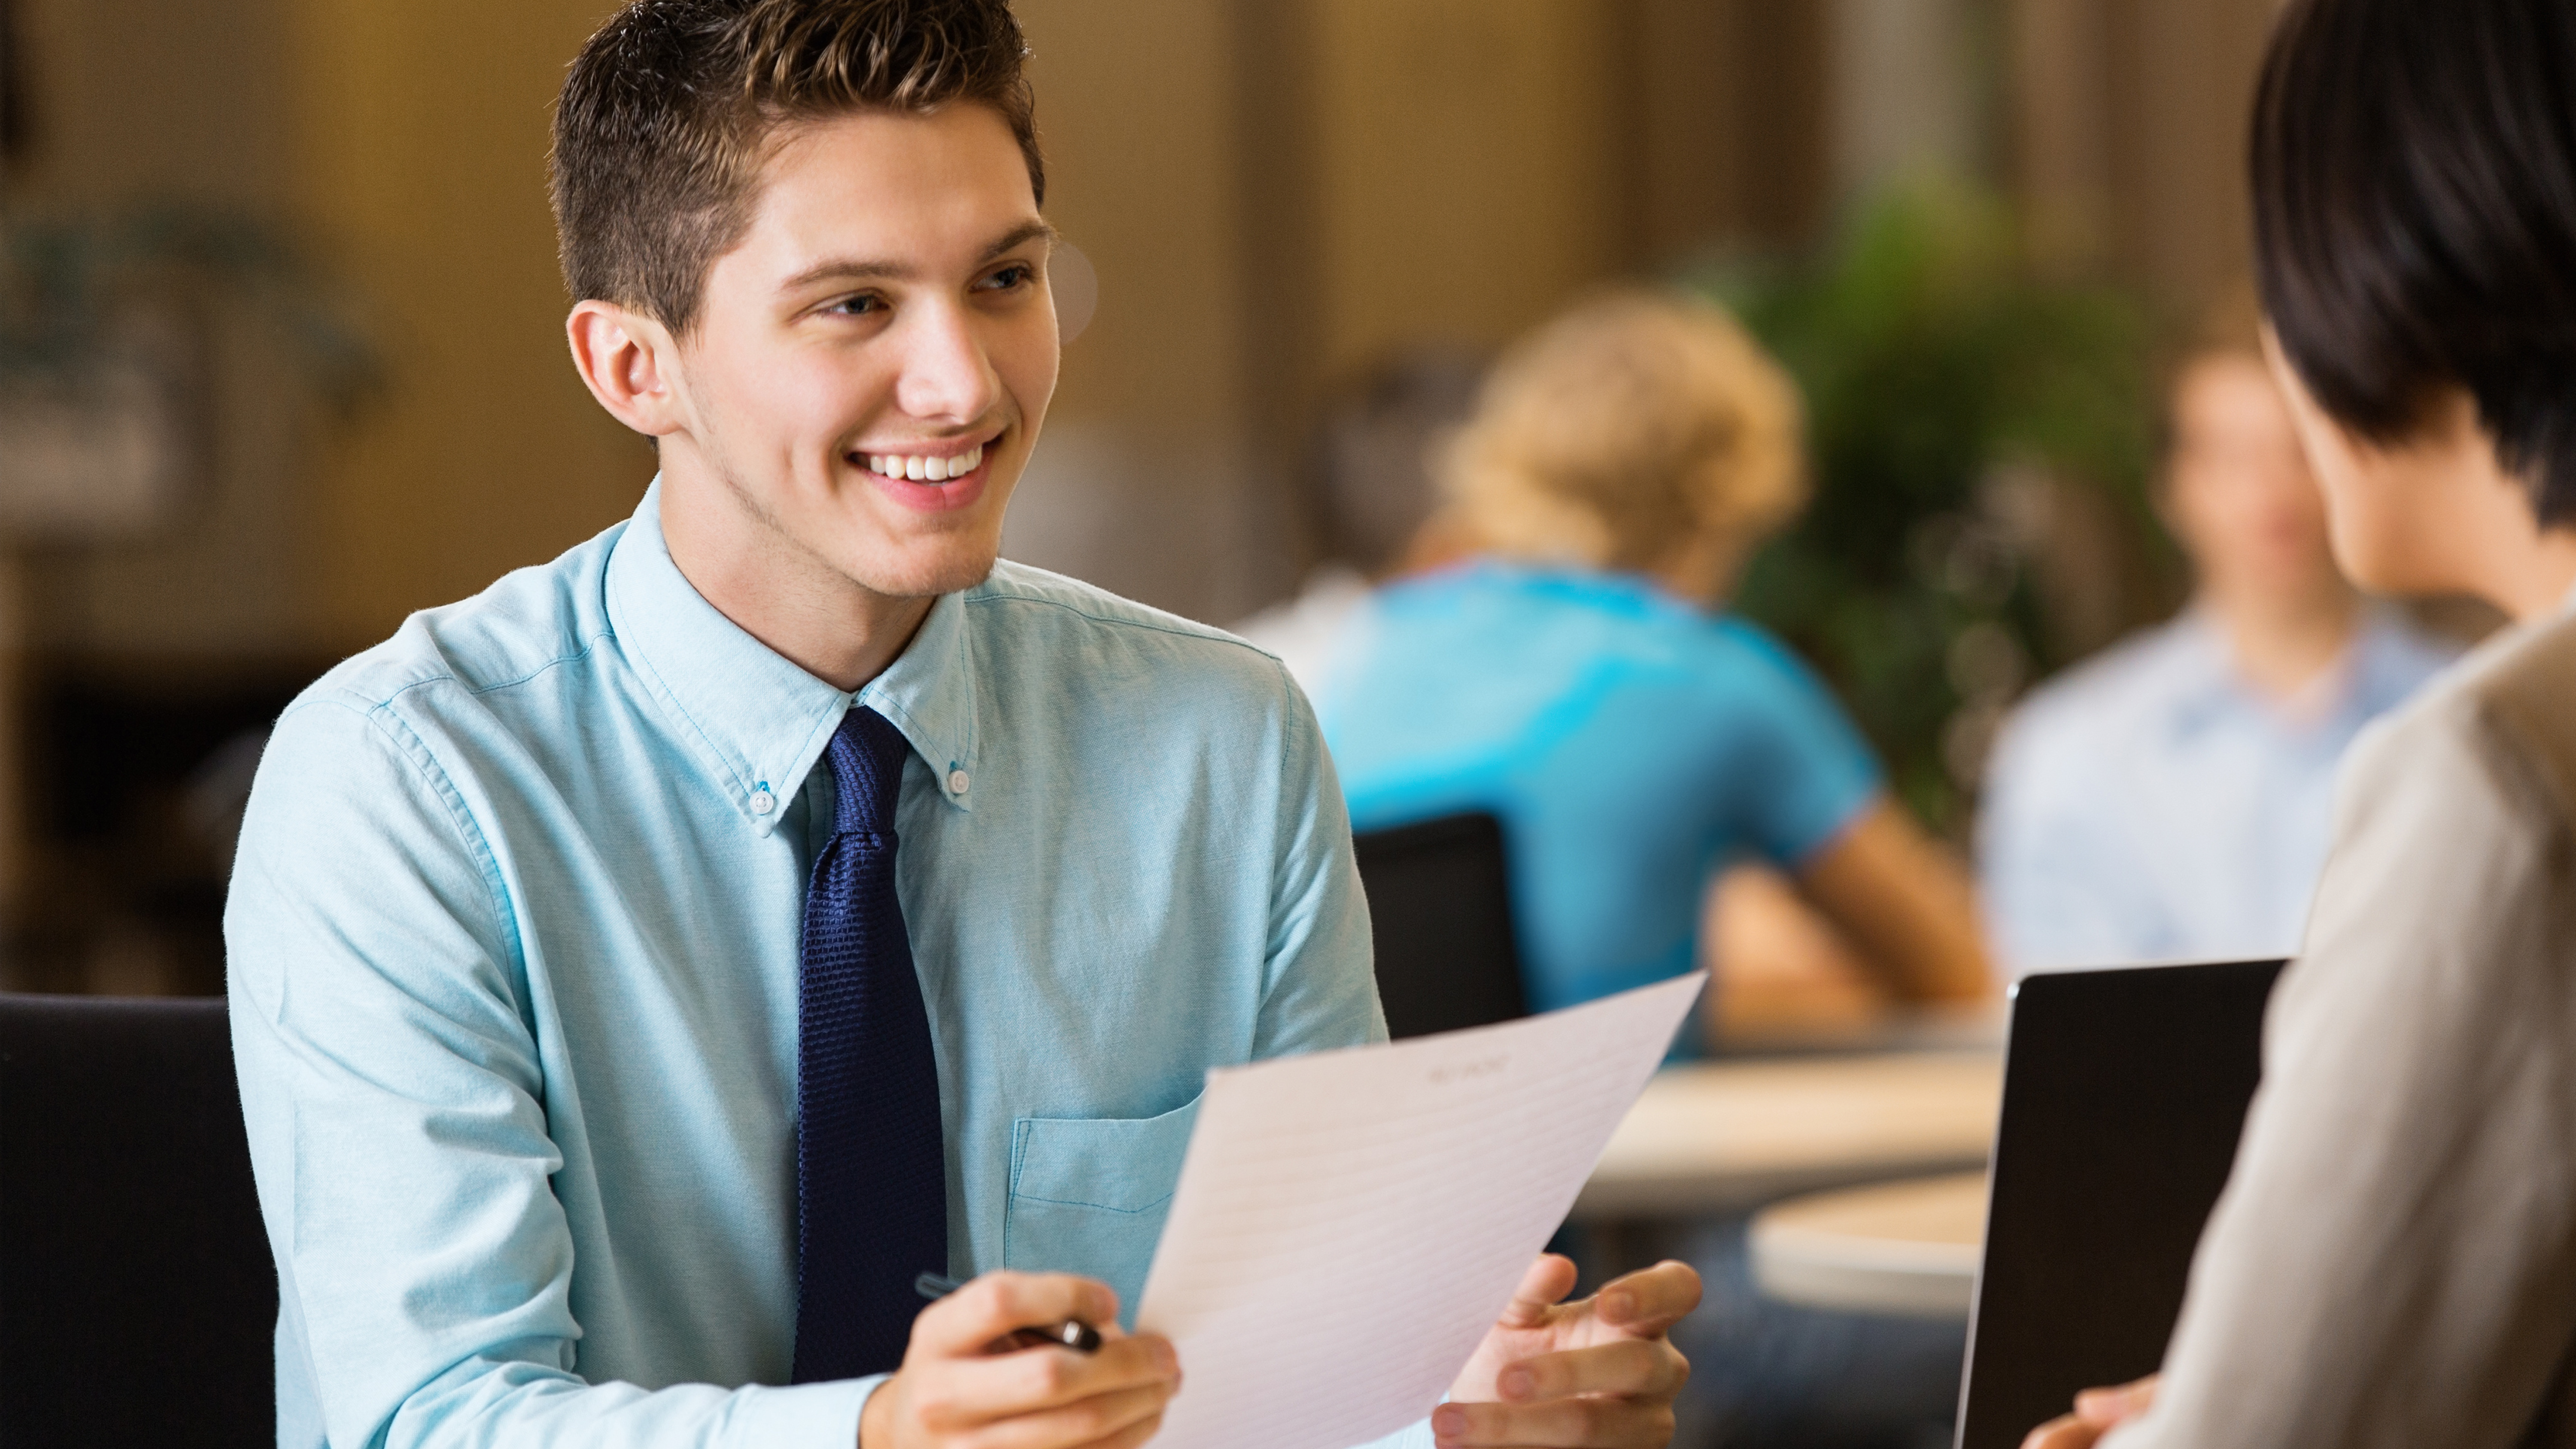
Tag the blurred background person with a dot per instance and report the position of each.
(2171, 798)
(1368, 495)
(1577, 679)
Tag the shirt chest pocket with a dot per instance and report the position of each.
(1089, 1195)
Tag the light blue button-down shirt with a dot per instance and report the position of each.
(513, 938)
(2150, 805)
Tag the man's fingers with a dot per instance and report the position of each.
(967, 1321)
(1132, 1437)
(961, 1394)
(1650, 1300)
(1549, 1279)
(1628, 1366)
(2107, 1408)
(1608, 1423)
(2097, 1412)
(2064, 1432)
(1042, 1378)
(1129, 1415)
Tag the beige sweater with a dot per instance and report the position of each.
(2394, 1259)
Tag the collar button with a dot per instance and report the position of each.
(762, 802)
(957, 782)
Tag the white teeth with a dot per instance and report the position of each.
(926, 469)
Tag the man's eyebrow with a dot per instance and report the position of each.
(841, 269)
(846, 269)
(1021, 235)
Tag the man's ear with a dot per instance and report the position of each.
(630, 364)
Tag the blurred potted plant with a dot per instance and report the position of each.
(1981, 443)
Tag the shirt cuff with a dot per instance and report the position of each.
(824, 1416)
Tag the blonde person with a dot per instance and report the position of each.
(1578, 678)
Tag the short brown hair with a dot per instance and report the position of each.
(1632, 430)
(666, 118)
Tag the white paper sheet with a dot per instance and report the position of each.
(1349, 1224)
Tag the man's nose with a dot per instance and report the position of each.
(946, 375)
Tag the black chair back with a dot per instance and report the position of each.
(137, 1298)
(1440, 913)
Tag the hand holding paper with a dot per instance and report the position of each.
(1593, 1373)
(1349, 1225)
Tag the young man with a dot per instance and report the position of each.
(644, 970)
(2171, 799)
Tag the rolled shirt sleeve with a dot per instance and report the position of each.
(1805, 773)
(1320, 980)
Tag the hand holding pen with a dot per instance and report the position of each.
(1072, 1333)
(967, 1377)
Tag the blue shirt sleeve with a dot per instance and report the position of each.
(1808, 774)
(1321, 990)
(389, 1066)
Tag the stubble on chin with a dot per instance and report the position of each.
(930, 567)
(949, 575)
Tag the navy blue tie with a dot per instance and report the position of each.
(871, 1172)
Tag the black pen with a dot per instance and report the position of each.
(1073, 1333)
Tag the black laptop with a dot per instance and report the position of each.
(2124, 1092)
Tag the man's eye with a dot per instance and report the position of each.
(858, 306)
(1017, 275)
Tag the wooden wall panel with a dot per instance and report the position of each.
(423, 133)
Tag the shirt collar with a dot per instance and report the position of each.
(758, 722)
(2207, 689)
(2203, 687)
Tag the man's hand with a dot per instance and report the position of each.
(964, 1382)
(2097, 1412)
(1593, 1373)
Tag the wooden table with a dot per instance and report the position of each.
(1731, 1136)
(1906, 1248)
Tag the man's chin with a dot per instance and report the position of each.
(944, 571)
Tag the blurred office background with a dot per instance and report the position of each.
(283, 359)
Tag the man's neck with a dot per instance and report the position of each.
(805, 611)
(2283, 645)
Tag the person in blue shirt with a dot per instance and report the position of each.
(641, 971)
(1577, 676)
(2172, 798)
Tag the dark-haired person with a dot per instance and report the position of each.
(643, 970)
(2394, 1259)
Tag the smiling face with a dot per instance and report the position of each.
(868, 368)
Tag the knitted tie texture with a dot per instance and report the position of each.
(871, 1175)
